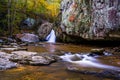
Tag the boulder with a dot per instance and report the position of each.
(28, 23)
(91, 19)
(5, 55)
(5, 63)
(43, 59)
(39, 60)
(97, 51)
(44, 30)
(22, 56)
(32, 58)
(28, 37)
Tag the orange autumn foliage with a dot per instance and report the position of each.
(72, 18)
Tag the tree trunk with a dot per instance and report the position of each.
(9, 15)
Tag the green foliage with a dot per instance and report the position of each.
(3, 20)
(18, 10)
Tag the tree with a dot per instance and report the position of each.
(9, 17)
(12, 12)
(3, 18)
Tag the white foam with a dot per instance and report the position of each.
(51, 37)
(87, 61)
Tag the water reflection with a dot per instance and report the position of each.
(56, 71)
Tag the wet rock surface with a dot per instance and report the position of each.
(73, 72)
(92, 65)
(11, 49)
(95, 52)
(99, 73)
(32, 58)
(12, 60)
(114, 50)
(21, 56)
(43, 59)
(5, 63)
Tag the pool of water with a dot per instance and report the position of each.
(56, 71)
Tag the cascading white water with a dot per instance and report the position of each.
(51, 37)
(86, 61)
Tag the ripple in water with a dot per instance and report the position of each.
(86, 61)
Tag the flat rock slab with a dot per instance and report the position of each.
(10, 49)
(21, 55)
(32, 58)
(8, 61)
(24, 53)
(5, 63)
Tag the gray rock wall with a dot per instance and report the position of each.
(91, 19)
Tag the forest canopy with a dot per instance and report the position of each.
(12, 12)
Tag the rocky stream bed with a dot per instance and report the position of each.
(58, 61)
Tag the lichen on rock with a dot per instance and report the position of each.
(90, 19)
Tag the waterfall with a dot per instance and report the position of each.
(51, 37)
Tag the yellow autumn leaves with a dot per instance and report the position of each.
(50, 7)
(54, 7)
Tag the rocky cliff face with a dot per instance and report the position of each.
(91, 19)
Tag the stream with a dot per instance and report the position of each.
(58, 70)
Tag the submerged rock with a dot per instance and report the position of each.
(116, 49)
(90, 65)
(97, 52)
(96, 72)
